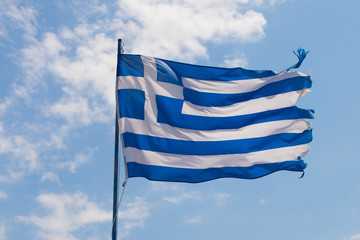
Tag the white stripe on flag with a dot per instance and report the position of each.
(248, 107)
(251, 131)
(237, 86)
(215, 161)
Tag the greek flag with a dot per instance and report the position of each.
(190, 123)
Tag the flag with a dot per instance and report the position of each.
(189, 123)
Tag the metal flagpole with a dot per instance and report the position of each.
(116, 161)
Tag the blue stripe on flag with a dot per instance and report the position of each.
(219, 100)
(170, 71)
(169, 112)
(160, 173)
(166, 74)
(238, 146)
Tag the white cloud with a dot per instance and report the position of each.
(85, 73)
(220, 199)
(56, 137)
(50, 176)
(194, 219)
(76, 110)
(194, 196)
(79, 159)
(83, 9)
(2, 231)
(66, 215)
(235, 59)
(262, 201)
(180, 28)
(23, 153)
(163, 186)
(13, 16)
(37, 59)
(235, 62)
(6, 103)
(34, 60)
(265, 3)
(3, 195)
(24, 149)
(11, 175)
(355, 237)
(133, 216)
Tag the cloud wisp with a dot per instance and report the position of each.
(66, 214)
(133, 216)
(186, 196)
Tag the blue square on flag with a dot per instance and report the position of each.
(131, 103)
(131, 65)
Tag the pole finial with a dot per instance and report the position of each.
(120, 46)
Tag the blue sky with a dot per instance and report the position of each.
(58, 61)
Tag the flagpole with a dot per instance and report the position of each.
(116, 160)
